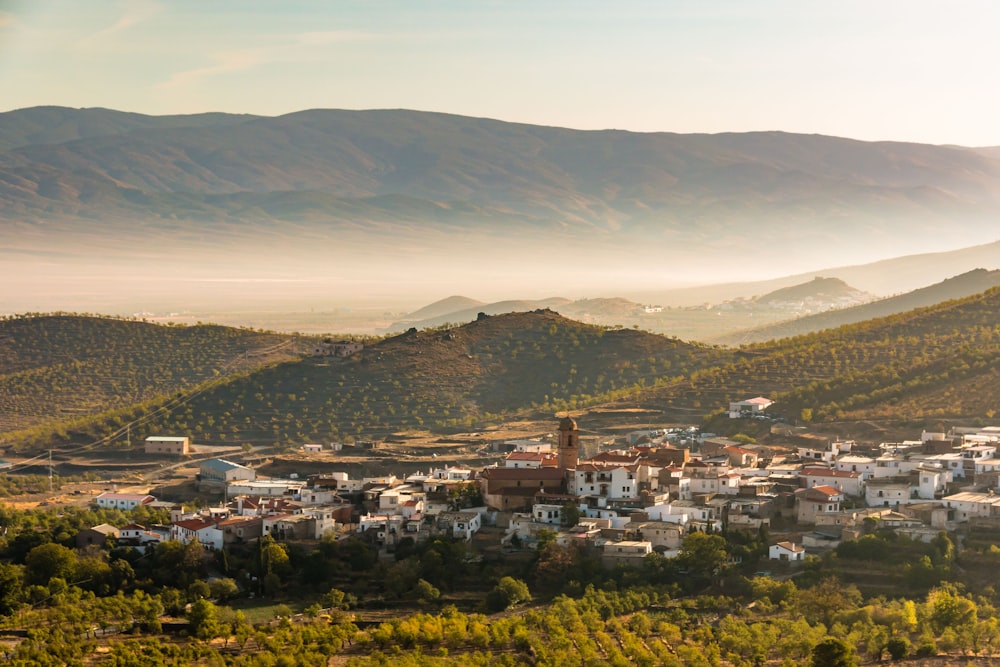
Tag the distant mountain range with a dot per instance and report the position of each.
(968, 284)
(814, 305)
(884, 278)
(96, 180)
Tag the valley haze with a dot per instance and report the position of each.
(335, 211)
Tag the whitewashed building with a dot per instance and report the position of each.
(787, 551)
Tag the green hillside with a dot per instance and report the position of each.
(56, 368)
(939, 362)
(923, 366)
(444, 379)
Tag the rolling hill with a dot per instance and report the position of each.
(606, 311)
(444, 380)
(936, 363)
(819, 288)
(923, 366)
(967, 284)
(56, 368)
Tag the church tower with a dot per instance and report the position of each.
(569, 444)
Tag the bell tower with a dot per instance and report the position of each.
(569, 444)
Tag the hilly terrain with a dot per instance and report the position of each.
(828, 290)
(967, 284)
(60, 368)
(936, 363)
(606, 311)
(693, 323)
(359, 194)
(443, 380)
(920, 367)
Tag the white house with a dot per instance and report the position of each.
(662, 535)
(749, 407)
(205, 531)
(709, 482)
(609, 482)
(627, 552)
(816, 454)
(528, 445)
(391, 499)
(530, 460)
(849, 483)
(461, 525)
(888, 493)
(318, 496)
(890, 465)
(786, 551)
(853, 463)
(670, 513)
(547, 513)
(953, 461)
(932, 481)
(811, 503)
(968, 505)
(123, 501)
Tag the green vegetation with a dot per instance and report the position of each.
(433, 606)
(926, 365)
(442, 379)
(61, 369)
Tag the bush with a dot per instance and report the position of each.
(898, 647)
(507, 593)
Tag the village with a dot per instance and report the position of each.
(621, 504)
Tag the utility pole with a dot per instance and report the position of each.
(50, 472)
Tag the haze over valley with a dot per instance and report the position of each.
(384, 211)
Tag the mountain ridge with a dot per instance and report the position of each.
(609, 180)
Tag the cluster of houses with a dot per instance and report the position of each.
(623, 504)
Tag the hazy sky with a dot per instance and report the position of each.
(888, 69)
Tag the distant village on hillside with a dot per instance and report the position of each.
(656, 487)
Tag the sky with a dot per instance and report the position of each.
(907, 70)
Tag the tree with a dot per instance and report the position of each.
(507, 593)
(224, 589)
(570, 515)
(10, 588)
(50, 560)
(948, 608)
(898, 647)
(703, 554)
(832, 652)
(273, 557)
(203, 620)
(823, 601)
(425, 591)
(338, 599)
